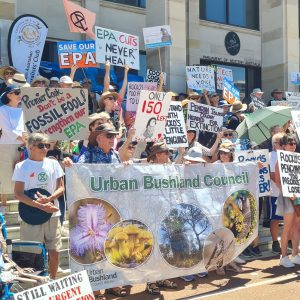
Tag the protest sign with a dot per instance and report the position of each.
(133, 93)
(223, 73)
(289, 169)
(279, 103)
(258, 103)
(240, 144)
(264, 173)
(117, 47)
(81, 53)
(153, 76)
(296, 120)
(293, 99)
(60, 113)
(167, 218)
(158, 36)
(230, 92)
(151, 117)
(201, 78)
(203, 117)
(175, 131)
(74, 286)
(295, 77)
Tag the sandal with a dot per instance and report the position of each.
(152, 289)
(220, 271)
(117, 291)
(167, 284)
(234, 268)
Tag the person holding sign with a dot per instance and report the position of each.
(236, 118)
(6, 73)
(277, 95)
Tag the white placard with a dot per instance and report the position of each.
(158, 36)
(296, 120)
(279, 103)
(293, 99)
(201, 78)
(223, 73)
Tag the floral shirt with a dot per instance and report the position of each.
(95, 155)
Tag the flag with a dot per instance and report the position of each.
(80, 19)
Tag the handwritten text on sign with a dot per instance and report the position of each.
(223, 73)
(230, 92)
(175, 131)
(201, 78)
(117, 47)
(60, 113)
(296, 120)
(133, 93)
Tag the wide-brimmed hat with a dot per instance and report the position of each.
(223, 103)
(257, 91)
(76, 84)
(276, 91)
(40, 78)
(66, 79)
(109, 94)
(19, 80)
(103, 128)
(54, 79)
(238, 106)
(3, 69)
(226, 146)
(158, 147)
(10, 88)
(192, 95)
(194, 154)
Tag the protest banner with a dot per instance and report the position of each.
(289, 169)
(230, 92)
(240, 144)
(295, 77)
(26, 40)
(74, 286)
(153, 76)
(258, 103)
(203, 117)
(264, 173)
(158, 36)
(279, 103)
(60, 113)
(117, 47)
(201, 78)
(223, 73)
(151, 117)
(133, 93)
(296, 120)
(167, 218)
(293, 99)
(175, 131)
(80, 53)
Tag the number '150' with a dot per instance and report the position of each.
(152, 107)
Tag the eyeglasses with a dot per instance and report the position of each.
(43, 145)
(17, 92)
(9, 73)
(227, 134)
(292, 143)
(110, 135)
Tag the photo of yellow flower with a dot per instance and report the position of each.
(129, 244)
(240, 215)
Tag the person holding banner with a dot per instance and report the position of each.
(6, 73)
(277, 95)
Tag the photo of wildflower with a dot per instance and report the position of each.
(128, 244)
(240, 215)
(219, 248)
(182, 234)
(90, 221)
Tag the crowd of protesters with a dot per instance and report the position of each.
(111, 142)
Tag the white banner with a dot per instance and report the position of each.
(296, 120)
(258, 103)
(117, 47)
(223, 73)
(142, 223)
(26, 39)
(204, 117)
(158, 36)
(175, 131)
(279, 103)
(201, 78)
(293, 99)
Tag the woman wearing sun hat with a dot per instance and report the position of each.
(237, 109)
(6, 73)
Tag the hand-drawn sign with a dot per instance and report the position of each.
(78, 20)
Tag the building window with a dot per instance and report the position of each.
(138, 3)
(243, 13)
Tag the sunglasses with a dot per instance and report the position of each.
(292, 143)
(227, 134)
(43, 145)
(9, 73)
(17, 93)
(110, 135)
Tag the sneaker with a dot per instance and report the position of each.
(246, 253)
(276, 247)
(202, 274)
(188, 278)
(239, 260)
(255, 251)
(286, 262)
(295, 259)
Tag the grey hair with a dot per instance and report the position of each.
(277, 137)
(37, 137)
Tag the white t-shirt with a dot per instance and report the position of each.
(39, 174)
(273, 160)
(12, 124)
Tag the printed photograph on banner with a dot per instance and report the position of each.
(158, 36)
(293, 99)
(80, 53)
(223, 73)
(230, 92)
(90, 221)
(295, 77)
(240, 215)
(175, 132)
(129, 244)
(60, 113)
(203, 117)
(296, 121)
(201, 78)
(182, 234)
(152, 115)
(239, 144)
(117, 47)
(133, 93)
(153, 76)
(218, 249)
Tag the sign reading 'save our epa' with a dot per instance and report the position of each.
(158, 36)
(230, 92)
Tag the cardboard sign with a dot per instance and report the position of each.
(296, 120)
(60, 113)
(151, 117)
(74, 286)
(279, 103)
(158, 36)
(175, 131)
(81, 53)
(230, 92)
(204, 117)
(153, 76)
(117, 47)
(201, 78)
(264, 173)
(289, 166)
(293, 99)
(133, 93)
(144, 223)
(223, 73)
(295, 77)
(258, 103)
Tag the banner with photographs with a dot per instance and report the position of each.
(158, 36)
(201, 78)
(293, 99)
(295, 77)
(153, 76)
(230, 92)
(142, 223)
(223, 73)
(60, 113)
(117, 47)
(203, 117)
